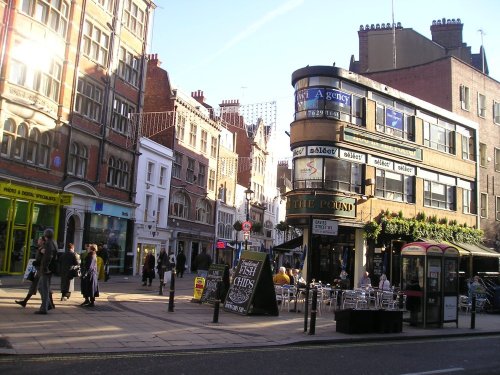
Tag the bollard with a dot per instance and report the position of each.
(217, 304)
(172, 292)
(473, 312)
(161, 288)
(306, 307)
(314, 305)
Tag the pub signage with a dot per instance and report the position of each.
(321, 204)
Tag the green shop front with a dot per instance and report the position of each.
(25, 212)
(333, 239)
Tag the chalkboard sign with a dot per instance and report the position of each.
(252, 290)
(215, 275)
(378, 265)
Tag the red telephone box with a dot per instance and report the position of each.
(429, 278)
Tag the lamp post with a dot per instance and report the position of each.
(248, 198)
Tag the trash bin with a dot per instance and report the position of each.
(496, 299)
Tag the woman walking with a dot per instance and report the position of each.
(90, 285)
(34, 282)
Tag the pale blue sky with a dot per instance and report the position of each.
(247, 50)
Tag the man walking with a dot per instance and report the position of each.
(48, 256)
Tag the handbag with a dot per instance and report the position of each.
(31, 276)
(74, 271)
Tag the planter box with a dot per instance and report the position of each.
(368, 321)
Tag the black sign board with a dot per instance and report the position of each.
(215, 275)
(252, 289)
(378, 265)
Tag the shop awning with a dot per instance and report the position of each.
(290, 245)
(475, 250)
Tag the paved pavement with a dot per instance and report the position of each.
(130, 317)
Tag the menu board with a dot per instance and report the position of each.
(252, 290)
(214, 276)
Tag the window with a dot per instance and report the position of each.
(20, 143)
(439, 195)
(95, 43)
(9, 134)
(439, 135)
(150, 173)
(193, 129)
(497, 159)
(78, 160)
(481, 105)
(190, 171)
(342, 175)
(394, 186)
(163, 176)
(133, 18)
(225, 222)
(118, 173)
(468, 143)
(88, 99)
(497, 208)
(394, 118)
(33, 141)
(159, 211)
(44, 80)
(482, 154)
(44, 150)
(204, 141)
(179, 206)
(203, 211)
(213, 147)
(202, 174)
(121, 111)
(496, 112)
(268, 229)
(465, 97)
(106, 4)
(180, 128)
(147, 207)
(469, 199)
(211, 180)
(177, 165)
(128, 67)
(484, 205)
(54, 14)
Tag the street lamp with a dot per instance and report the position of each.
(248, 198)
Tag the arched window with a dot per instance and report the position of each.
(9, 130)
(33, 146)
(44, 150)
(73, 158)
(203, 211)
(125, 175)
(111, 171)
(21, 141)
(82, 162)
(180, 205)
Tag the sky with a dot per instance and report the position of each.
(248, 50)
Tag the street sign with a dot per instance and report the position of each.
(246, 226)
(246, 235)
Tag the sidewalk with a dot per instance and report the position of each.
(130, 317)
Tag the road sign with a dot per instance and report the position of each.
(246, 226)
(246, 235)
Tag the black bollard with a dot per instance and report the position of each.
(473, 312)
(314, 306)
(172, 292)
(306, 307)
(217, 304)
(161, 288)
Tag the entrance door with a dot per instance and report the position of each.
(19, 251)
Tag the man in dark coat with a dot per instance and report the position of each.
(202, 263)
(48, 252)
(148, 269)
(90, 284)
(180, 265)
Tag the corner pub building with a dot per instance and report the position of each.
(361, 148)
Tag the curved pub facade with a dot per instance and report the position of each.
(361, 148)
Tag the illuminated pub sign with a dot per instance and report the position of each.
(321, 204)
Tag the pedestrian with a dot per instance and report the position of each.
(202, 263)
(69, 262)
(162, 265)
(148, 269)
(36, 275)
(48, 256)
(180, 265)
(90, 283)
(103, 262)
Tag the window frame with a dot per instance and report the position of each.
(406, 189)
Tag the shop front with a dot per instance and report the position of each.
(25, 212)
(111, 225)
